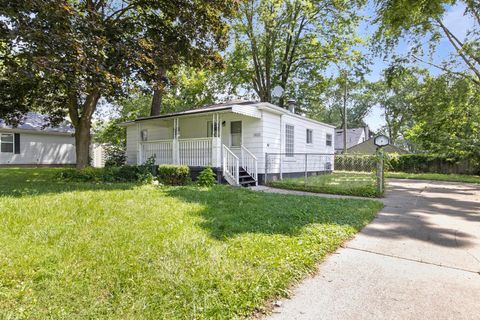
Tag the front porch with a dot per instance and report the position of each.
(235, 163)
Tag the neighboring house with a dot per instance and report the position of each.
(35, 143)
(354, 136)
(368, 147)
(233, 138)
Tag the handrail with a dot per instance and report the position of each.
(250, 163)
(231, 166)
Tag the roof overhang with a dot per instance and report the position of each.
(53, 133)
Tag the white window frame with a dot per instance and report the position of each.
(328, 140)
(7, 142)
(307, 135)
(289, 145)
(241, 134)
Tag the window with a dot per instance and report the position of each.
(329, 140)
(6, 142)
(211, 131)
(235, 133)
(309, 136)
(289, 140)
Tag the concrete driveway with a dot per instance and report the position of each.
(419, 259)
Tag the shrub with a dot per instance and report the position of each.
(174, 175)
(206, 178)
(127, 173)
(115, 156)
(431, 163)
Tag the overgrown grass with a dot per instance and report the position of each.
(343, 183)
(126, 251)
(435, 176)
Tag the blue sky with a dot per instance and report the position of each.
(454, 20)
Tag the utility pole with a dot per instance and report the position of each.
(345, 113)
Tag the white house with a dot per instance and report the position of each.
(233, 138)
(35, 143)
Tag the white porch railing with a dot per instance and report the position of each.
(195, 152)
(231, 166)
(201, 152)
(161, 149)
(249, 163)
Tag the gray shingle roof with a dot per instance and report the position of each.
(353, 137)
(38, 122)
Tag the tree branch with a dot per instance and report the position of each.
(463, 75)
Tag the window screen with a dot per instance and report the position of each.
(329, 139)
(309, 136)
(236, 133)
(289, 140)
(6, 142)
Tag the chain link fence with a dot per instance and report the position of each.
(322, 172)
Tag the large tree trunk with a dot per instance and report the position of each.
(156, 107)
(158, 91)
(82, 121)
(82, 142)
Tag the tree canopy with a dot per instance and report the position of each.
(63, 57)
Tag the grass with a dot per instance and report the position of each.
(434, 176)
(343, 183)
(125, 251)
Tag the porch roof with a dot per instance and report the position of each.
(234, 106)
(237, 106)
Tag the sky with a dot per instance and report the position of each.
(454, 20)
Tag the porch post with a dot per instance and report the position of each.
(175, 149)
(216, 143)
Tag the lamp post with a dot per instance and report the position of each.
(380, 141)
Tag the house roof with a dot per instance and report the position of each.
(368, 147)
(39, 123)
(354, 136)
(226, 106)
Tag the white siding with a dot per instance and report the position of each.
(274, 142)
(42, 149)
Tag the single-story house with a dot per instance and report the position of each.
(354, 136)
(35, 143)
(234, 138)
(368, 147)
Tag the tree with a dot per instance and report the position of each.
(65, 56)
(287, 42)
(446, 115)
(330, 105)
(395, 94)
(417, 19)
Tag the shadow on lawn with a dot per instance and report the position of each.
(232, 211)
(32, 182)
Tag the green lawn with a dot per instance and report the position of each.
(126, 251)
(434, 176)
(343, 183)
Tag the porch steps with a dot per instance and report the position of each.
(246, 180)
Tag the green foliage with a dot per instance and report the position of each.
(345, 183)
(206, 178)
(446, 115)
(291, 44)
(174, 175)
(412, 19)
(431, 163)
(125, 173)
(123, 251)
(75, 54)
(114, 156)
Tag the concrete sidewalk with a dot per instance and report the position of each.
(419, 259)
